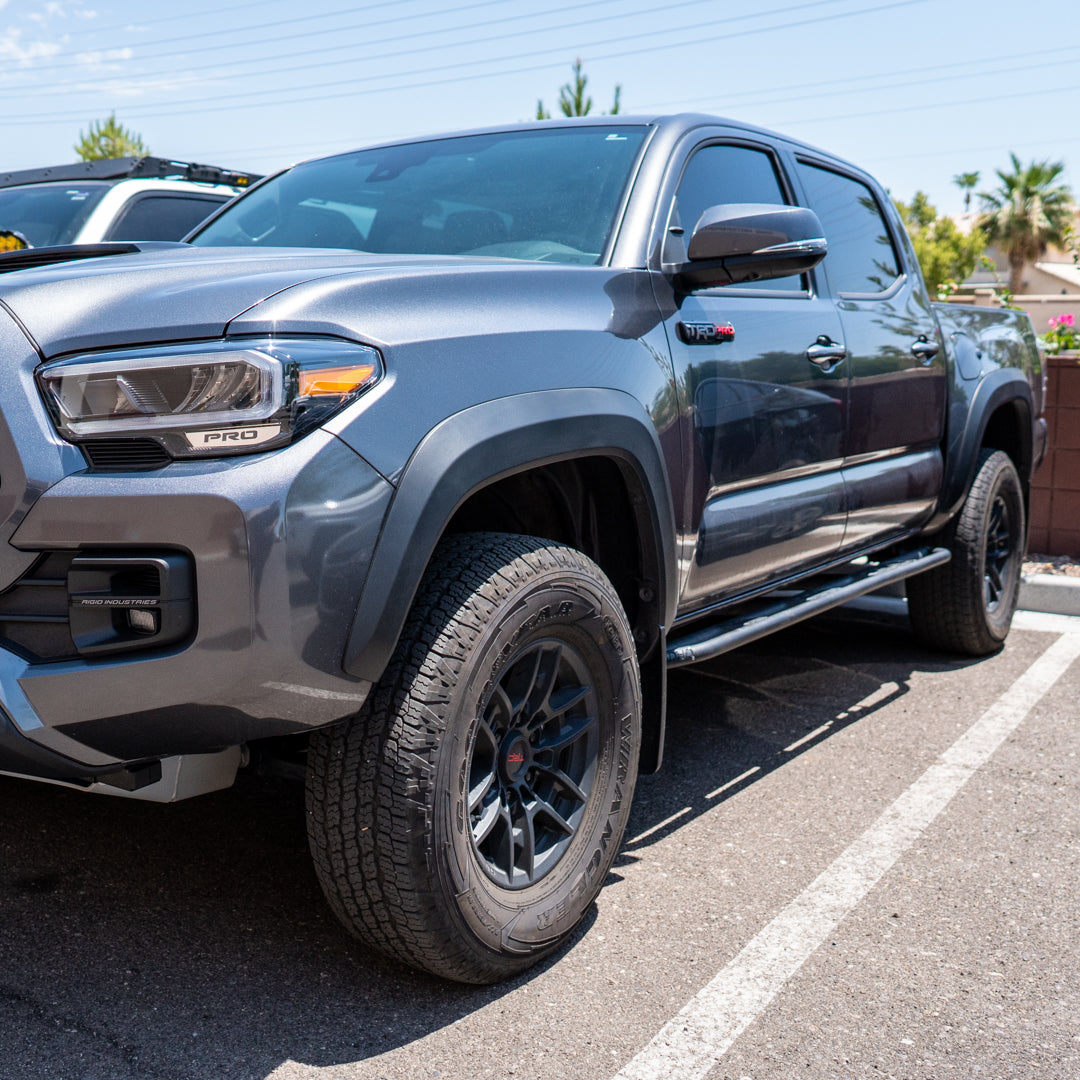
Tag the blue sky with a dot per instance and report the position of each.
(914, 90)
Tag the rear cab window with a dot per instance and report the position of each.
(162, 216)
(862, 259)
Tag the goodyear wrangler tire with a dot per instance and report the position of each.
(967, 605)
(465, 819)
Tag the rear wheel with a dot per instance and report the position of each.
(967, 605)
(465, 819)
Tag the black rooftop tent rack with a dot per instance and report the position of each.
(129, 168)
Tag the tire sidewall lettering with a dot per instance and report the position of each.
(528, 918)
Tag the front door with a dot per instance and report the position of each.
(768, 412)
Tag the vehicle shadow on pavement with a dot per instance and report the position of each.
(734, 720)
(187, 941)
(192, 940)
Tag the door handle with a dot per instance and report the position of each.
(826, 353)
(924, 350)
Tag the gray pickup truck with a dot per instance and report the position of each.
(421, 465)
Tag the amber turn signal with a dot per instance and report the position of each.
(322, 382)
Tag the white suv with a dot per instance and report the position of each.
(120, 199)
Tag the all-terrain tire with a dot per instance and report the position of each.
(464, 820)
(967, 605)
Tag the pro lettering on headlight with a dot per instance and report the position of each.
(208, 399)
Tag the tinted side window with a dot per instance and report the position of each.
(861, 256)
(162, 217)
(718, 175)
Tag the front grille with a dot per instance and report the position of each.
(126, 454)
(34, 611)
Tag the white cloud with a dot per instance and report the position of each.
(14, 50)
(104, 59)
(22, 45)
(131, 88)
(53, 10)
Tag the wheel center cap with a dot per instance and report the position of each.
(515, 756)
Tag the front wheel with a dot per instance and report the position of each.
(465, 819)
(967, 605)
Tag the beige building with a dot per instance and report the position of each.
(1051, 285)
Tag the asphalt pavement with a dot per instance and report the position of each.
(859, 860)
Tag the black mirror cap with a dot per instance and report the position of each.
(747, 242)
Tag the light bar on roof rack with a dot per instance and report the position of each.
(129, 168)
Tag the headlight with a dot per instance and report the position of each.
(210, 398)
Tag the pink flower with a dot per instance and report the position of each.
(1066, 320)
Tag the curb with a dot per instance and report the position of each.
(1050, 592)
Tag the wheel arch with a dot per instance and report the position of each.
(999, 417)
(595, 446)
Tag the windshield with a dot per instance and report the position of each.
(48, 214)
(547, 194)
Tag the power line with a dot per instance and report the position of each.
(280, 22)
(184, 106)
(84, 85)
(860, 81)
(1053, 140)
(214, 11)
(1011, 96)
(921, 81)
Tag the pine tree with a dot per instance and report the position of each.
(573, 100)
(108, 139)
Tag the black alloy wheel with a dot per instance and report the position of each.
(967, 605)
(465, 819)
(533, 763)
(1001, 547)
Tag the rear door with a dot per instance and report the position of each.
(896, 360)
(765, 423)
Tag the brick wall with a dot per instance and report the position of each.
(1055, 495)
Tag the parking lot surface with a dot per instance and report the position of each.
(859, 860)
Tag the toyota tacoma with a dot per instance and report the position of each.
(423, 464)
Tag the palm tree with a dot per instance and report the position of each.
(1027, 213)
(966, 182)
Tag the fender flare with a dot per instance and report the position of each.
(483, 444)
(1002, 387)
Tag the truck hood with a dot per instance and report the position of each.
(180, 294)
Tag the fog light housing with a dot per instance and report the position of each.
(142, 621)
(122, 602)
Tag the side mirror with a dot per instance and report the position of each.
(744, 242)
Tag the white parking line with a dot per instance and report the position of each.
(688, 1046)
(731, 783)
(660, 825)
(808, 737)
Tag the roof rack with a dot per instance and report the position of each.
(129, 168)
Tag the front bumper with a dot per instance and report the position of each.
(279, 544)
